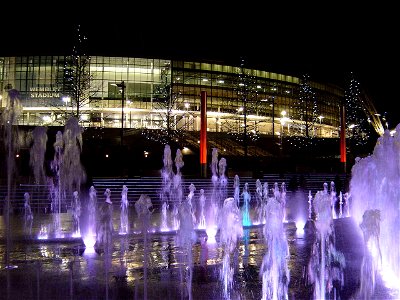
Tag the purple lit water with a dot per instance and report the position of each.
(274, 260)
(374, 186)
(124, 216)
(274, 269)
(230, 231)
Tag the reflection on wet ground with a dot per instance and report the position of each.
(66, 270)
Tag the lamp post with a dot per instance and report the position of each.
(283, 122)
(320, 125)
(187, 105)
(122, 86)
(66, 99)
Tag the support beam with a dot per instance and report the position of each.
(203, 135)
(343, 136)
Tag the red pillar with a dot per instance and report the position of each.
(343, 136)
(203, 134)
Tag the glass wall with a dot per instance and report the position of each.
(156, 88)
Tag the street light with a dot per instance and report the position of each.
(187, 105)
(122, 86)
(283, 122)
(320, 124)
(66, 99)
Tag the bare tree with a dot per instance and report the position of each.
(173, 119)
(304, 114)
(76, 80)
(360, 113)
(242, 129)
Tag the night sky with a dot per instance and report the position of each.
(328, 43)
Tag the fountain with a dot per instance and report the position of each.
(37, 154)
(124, 225)
(374, 187)
(231, 230)
(89, 236)
(186, 237)
(212, 211)
(246, 205)
(9, 120)
(327, 263)
(142, 207)
(177, 189)
(76, 214)
(211, 252)
(370, 227)
(274, 269)
(106, 227)
(68, 171)
(259, 201)
(166, 195)
(236, 187)
(333, 200)
(202, 217)
(28, 215)
(223, 181)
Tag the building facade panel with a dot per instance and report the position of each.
(260, 99)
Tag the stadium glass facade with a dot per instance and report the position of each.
(263, 102)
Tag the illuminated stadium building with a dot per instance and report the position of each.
(144, 93)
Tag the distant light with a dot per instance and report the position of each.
(89, 241)
(66, 99)
(17, 155)
(187, 105)
(284, 120)
(185, 150)
(205, 79)
(300, 227)
(106, 155)
(220, 81)
(240, 109)
(283, 112)
(351, 126)
(46, 118)
(241, 84)
(259, 87)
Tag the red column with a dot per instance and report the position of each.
(343, 136)
(203, 134)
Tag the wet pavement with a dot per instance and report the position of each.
(64, 269)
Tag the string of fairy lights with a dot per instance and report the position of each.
(168, 126)
(242, 130)
(77, 78)
(358, 129)
(305, 111)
